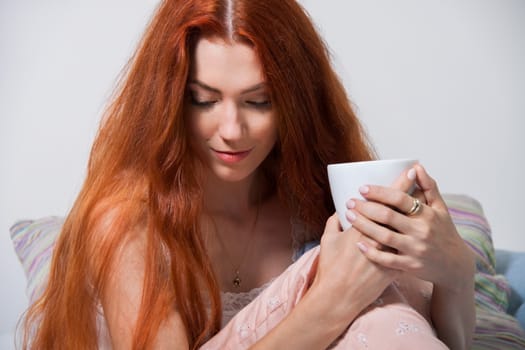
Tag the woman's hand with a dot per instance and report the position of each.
(426, 244)
(345, 275)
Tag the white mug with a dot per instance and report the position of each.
(346, 178)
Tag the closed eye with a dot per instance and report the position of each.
(202, 102)
(259, 104)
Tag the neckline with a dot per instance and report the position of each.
(251, 291)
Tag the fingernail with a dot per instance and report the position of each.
(411, 174)
(350, 204)
(364, 189)
(362, 247)
(350, 215)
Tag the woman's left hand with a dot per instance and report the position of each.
(425, 244)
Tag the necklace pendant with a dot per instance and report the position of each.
(237, 280)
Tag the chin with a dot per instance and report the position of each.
(231, 175)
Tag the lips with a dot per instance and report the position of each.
(231, 157)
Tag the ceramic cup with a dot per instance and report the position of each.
(346, 178)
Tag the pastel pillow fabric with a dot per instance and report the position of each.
(495, 329)
(34, 241)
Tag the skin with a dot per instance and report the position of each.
(233, 127)
(121, 299)
(230, 110)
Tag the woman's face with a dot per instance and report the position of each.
(231, 116)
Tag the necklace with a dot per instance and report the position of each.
(236, 281)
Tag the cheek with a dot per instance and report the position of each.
(268, 131)
(271, 138)
(201, 127)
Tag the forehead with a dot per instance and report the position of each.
(225, 65)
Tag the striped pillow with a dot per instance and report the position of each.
(495, 329)
(472, 225)
(34, 241)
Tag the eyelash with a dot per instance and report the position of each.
(205, 104)
(208, 104)
(264, 105)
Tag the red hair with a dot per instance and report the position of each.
(143, 171)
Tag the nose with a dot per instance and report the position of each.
(231, 125)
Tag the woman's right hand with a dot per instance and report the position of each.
(348, 280)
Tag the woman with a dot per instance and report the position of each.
(209, 173)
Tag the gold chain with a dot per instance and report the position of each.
(236, 281)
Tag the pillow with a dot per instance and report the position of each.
(495, 329)
(472, 225)
(33, 241)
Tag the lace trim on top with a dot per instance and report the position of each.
(233, 302)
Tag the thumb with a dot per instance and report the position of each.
(429, 188)
(333, 224)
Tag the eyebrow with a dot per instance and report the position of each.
(209, 88)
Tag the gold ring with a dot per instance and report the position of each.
(416, 208)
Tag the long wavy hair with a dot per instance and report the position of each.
(143, 172)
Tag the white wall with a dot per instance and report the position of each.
(437, 80)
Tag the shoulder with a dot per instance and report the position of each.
(114, 233)
(117, 218)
